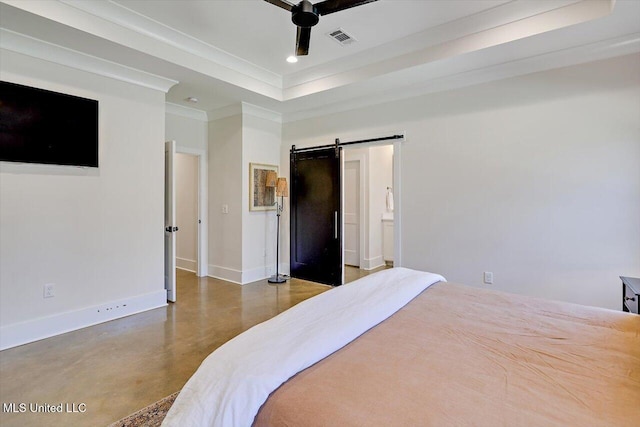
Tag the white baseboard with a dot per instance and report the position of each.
(186, 264)
(245, 276)
(223, 273)
(372, 263)
(45, 327)
(255, 274)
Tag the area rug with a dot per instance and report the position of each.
(151, 416)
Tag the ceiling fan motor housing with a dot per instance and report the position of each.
(304, 14)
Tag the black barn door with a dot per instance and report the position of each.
(316, 230)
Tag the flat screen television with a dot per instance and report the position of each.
(40, 126)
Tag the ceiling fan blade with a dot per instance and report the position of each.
(330, 6)
(302, 41)
(281, 3)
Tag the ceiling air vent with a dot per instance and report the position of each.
(341, 37)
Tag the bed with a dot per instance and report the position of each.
(403, 347)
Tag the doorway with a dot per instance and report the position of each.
(197, 261)
(202, 268)
(305, 222)
(368, 192)
(352, 207)
(186, 197)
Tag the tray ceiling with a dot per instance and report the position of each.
(226, 52)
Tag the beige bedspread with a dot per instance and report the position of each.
(458, 356)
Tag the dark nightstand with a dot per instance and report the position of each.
(630, 294)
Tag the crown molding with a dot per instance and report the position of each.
(117, 24)
(244, 108)
(461, 27)
(509, 30)
(182, 111)
(618, 46)
(260, 112)
(20, 43)
(510, 21)
(134, 21)
(445, 55)
(505, 23)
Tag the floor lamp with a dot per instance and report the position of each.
(282, 191)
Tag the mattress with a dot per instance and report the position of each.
(457, 355)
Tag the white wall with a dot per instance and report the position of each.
(96, 233)
(534, 178)
(186, 175)
(261, 144)
(187, 132)
(226, 188)
(242, 242)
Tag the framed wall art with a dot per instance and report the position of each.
(261, 197)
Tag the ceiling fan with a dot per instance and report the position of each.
(305, 15)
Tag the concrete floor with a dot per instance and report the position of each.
(118, 367)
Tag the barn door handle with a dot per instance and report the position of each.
(335, 224)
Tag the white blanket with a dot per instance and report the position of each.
(234, 381)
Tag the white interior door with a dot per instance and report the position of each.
(186, 200)
(170, 228)
(352, 213)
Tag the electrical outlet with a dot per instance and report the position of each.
(488, 277)
(49, 290)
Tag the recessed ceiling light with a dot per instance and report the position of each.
(192, 99)
(292, 59)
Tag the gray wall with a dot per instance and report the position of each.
(95, 233)
(534, 178)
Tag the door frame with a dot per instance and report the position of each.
(202, 269)
(397, 225)
(362, 165)
(397, 199)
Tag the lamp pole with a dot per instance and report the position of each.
(276, 278)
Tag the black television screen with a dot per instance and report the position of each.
(40, 126)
